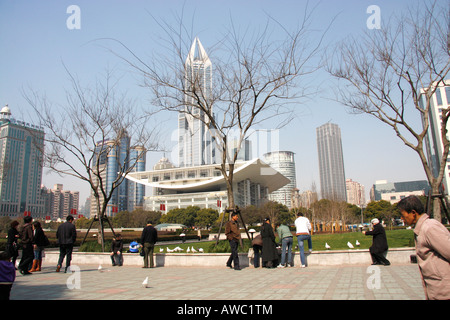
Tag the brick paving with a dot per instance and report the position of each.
(355, 282)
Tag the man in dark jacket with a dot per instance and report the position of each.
(149, 237)
(233, 235)
(26, 237)
(379, 247)
(66, 235)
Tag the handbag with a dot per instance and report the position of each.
(45, 241)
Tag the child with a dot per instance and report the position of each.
(7, 275)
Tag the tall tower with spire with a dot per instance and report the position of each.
(195, 145)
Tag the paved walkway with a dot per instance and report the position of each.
(395, 282)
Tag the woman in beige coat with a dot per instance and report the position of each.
(432, 248)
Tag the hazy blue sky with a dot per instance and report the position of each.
(35, 42)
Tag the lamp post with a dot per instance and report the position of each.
(252, 231)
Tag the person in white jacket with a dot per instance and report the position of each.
(303, 232)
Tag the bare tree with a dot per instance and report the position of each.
(256, 78)
(87, 130)
(392, 74)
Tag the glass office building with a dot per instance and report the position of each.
(331, 162)
(283, 162)
(115, 157)
(21, 164)
(439, 101)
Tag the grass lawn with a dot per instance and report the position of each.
(338, 241)
(396, 239)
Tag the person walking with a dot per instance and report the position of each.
(66, 234)
(26, 241)
(40, 241)
(379, 248)
(12, 247)
(233, 236)
(149, 237)
(432, 248)
(286, 238)
(303, 232)
(116, 251)
(269, 247)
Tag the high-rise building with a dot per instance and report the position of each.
(114, 158)
(331, 162)
(439, 101)
(59, 203)
(21, 164)
(283, 162)
(355, 193)
(195, 144)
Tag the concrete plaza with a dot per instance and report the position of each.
(349, 282)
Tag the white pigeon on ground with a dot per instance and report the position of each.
(193, 250)
(350, 245)
(161, 249)
(201, 250)
(327, 246)
(100, 268)
(168, 250)
(188, 250)
(145, 283)
(357, 243)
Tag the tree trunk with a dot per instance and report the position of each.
(436, 202)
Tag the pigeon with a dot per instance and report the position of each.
(161, 249)
(350, 245)
(201, 250)
(100, 268)
(357, 243)
(327, 245)
(193, 250)
(145, 283)
(168, 250)
(188, 250)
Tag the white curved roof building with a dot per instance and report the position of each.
(204, 186)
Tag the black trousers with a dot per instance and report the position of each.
(379, 258)
(27, 258)
(257, 255)
(65, 251)
(234, 244)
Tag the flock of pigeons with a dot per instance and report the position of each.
(178, 249)
(349, 244)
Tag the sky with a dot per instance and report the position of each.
(39, 38)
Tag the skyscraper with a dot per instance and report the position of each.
(433, 141)
(115, 158)
(331, 162)
(195, 145)
(283, 162)
(21, 163)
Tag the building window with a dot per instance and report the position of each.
(438, 97)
